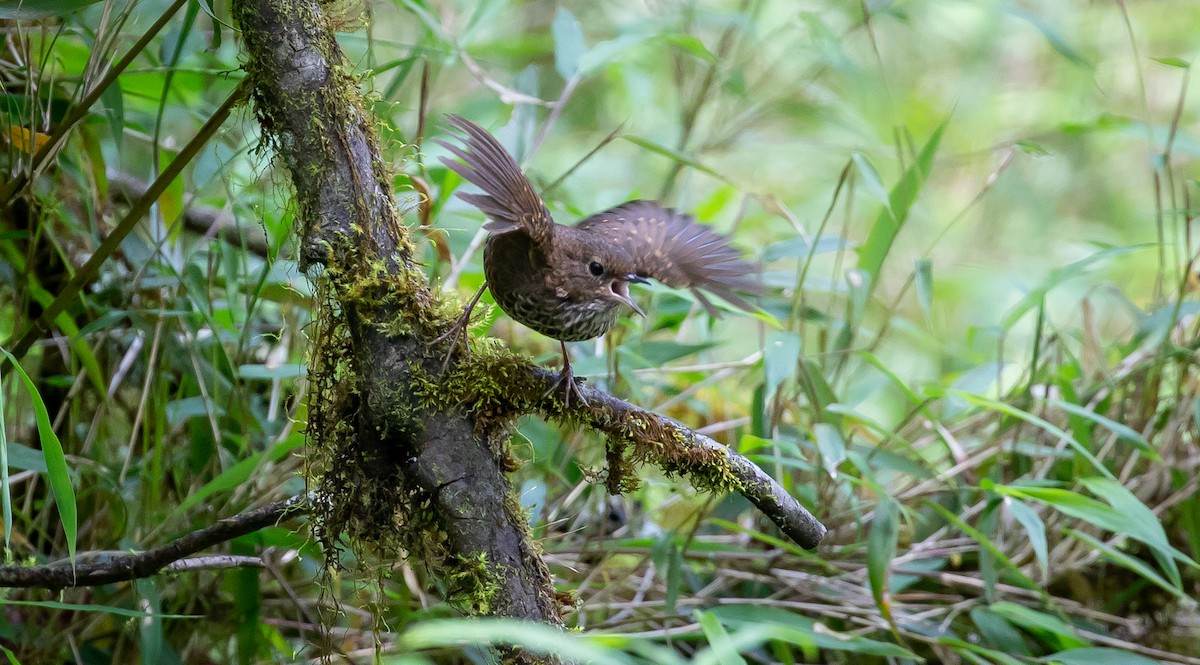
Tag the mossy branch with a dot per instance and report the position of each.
(709, 464)
(495, 386)
(394, 475)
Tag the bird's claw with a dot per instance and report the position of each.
(568, 383)
(454, 334)
(459, 329)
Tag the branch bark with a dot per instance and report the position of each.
(108, 568)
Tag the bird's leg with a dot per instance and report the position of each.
(459, 328)
(567, 380)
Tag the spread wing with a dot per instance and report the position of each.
(671, 247)
(508, 196)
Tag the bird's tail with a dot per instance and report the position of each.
(508, 198)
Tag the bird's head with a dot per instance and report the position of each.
(596, 272)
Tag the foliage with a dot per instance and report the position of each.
(975, 360)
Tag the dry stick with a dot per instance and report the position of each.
(124, 567)
(87, 272)
(205, 220)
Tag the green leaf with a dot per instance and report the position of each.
(1034, 298)
(987, 544)
(657, 353)
(1149, 530)
(77, 607)
(1013, 411)
(831, 445)
(801, 630)
(1136, 565)
(673, 156)
(152, 647)
(887, 371)
(26, 458)
(57, 471)
(692, 45)
(802, 247)
(1173, 62)
(1045, 625)
(1098, 656)
(923, 280)
(668, 561)
(718, 640)
(1035, 529)
(1052, 35)
(1123, 432)
(237, 474)
(569, 43)
(35, 9)
(534, 637)
(780, 358)
(5, 488)
(888, 223)
(268, 373)
(872, 180)
(1124, 515)
(881, 549)
(608, 51)
(113, 108)
(998, 631)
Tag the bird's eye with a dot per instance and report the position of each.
(595, 268)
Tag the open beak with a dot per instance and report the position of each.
(620, 291)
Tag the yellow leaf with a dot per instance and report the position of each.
(19, 138)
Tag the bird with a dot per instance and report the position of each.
(571, 283)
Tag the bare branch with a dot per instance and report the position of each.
(207, 221)
(215, 562)
(98, 568)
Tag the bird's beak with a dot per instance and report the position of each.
(636, 279)
(620, 291)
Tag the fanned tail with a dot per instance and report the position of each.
(508, 198)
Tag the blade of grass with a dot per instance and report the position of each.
(57, 471)
(5, 490)
(891, 218)
(1010, 410)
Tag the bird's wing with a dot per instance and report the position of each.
(672, 248)
(508, 196)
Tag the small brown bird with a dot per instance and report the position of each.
(571, 282)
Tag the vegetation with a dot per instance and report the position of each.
(975, 360)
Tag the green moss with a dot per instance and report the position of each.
(473, 583)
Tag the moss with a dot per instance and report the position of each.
(360, 498)
(473, 583)
(634, 439)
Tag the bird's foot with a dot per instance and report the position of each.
(458, 330)
(568, 383)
